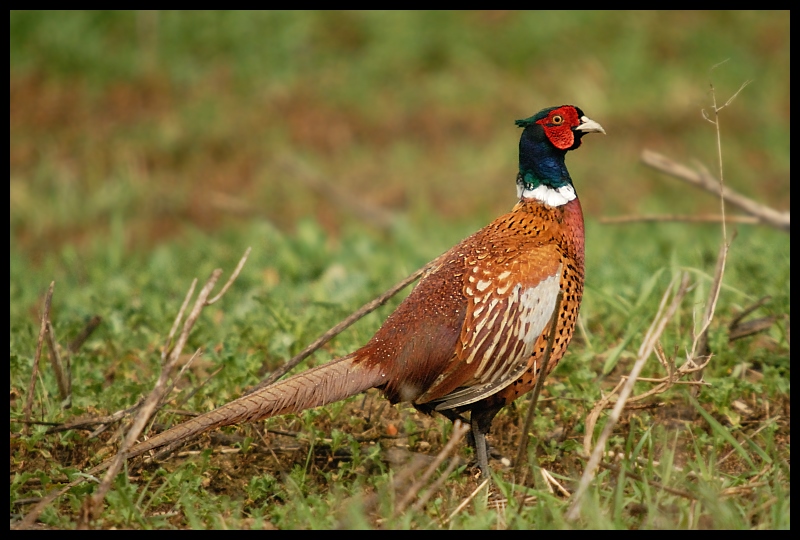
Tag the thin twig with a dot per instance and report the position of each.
(197, 354)
(178, 318)
(522, 448)
(26, 413)
(648, 344)
(86, 423)
(84, 334)
(638, 478)
(55, 362)
(700, 344)
(678, 218)
(339, 328)
(706, 181)
(466, 501)
(459, 430)
(194, 391)
(94, 503)
(233, 277)
(748, 310)
(423, 499)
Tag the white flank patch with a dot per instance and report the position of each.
(538, 304)
(548, 195)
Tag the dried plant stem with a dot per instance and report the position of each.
(233, 277)
(84, 334)
(677, 218)
(161, 387)
(35, 369)
(706, 181)
(55, 360)
(94, 503)
(466, 501)
(647, 347)
(165, 351)
(459, 430)
(522, 448)
(367, 308)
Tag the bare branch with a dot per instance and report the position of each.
(706, 181)
(93, 504)
(466, 501)
(748, 310)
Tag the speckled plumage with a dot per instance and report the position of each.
(472, 334)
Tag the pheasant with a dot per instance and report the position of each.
(472, 334)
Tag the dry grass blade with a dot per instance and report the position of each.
(459, 430)
(35, 369)
(233, 277)
(551, 481)
(647, 347)
(657, 485)
(466, 501)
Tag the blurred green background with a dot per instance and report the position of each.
(169, 120)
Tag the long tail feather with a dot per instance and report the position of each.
(334, 381)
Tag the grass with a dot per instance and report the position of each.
(149, 148)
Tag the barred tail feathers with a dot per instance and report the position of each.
(334, 381)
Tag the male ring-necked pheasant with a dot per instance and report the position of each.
(472, 334)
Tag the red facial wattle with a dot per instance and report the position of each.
(558, 127)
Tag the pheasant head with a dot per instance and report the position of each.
(547, 137)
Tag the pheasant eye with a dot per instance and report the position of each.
(557, 120)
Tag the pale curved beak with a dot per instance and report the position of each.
(590, 126)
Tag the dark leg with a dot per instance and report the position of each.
(479, 439)
(481, 422)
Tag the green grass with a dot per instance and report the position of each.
(148, 149)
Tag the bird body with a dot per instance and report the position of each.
(472, 334)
